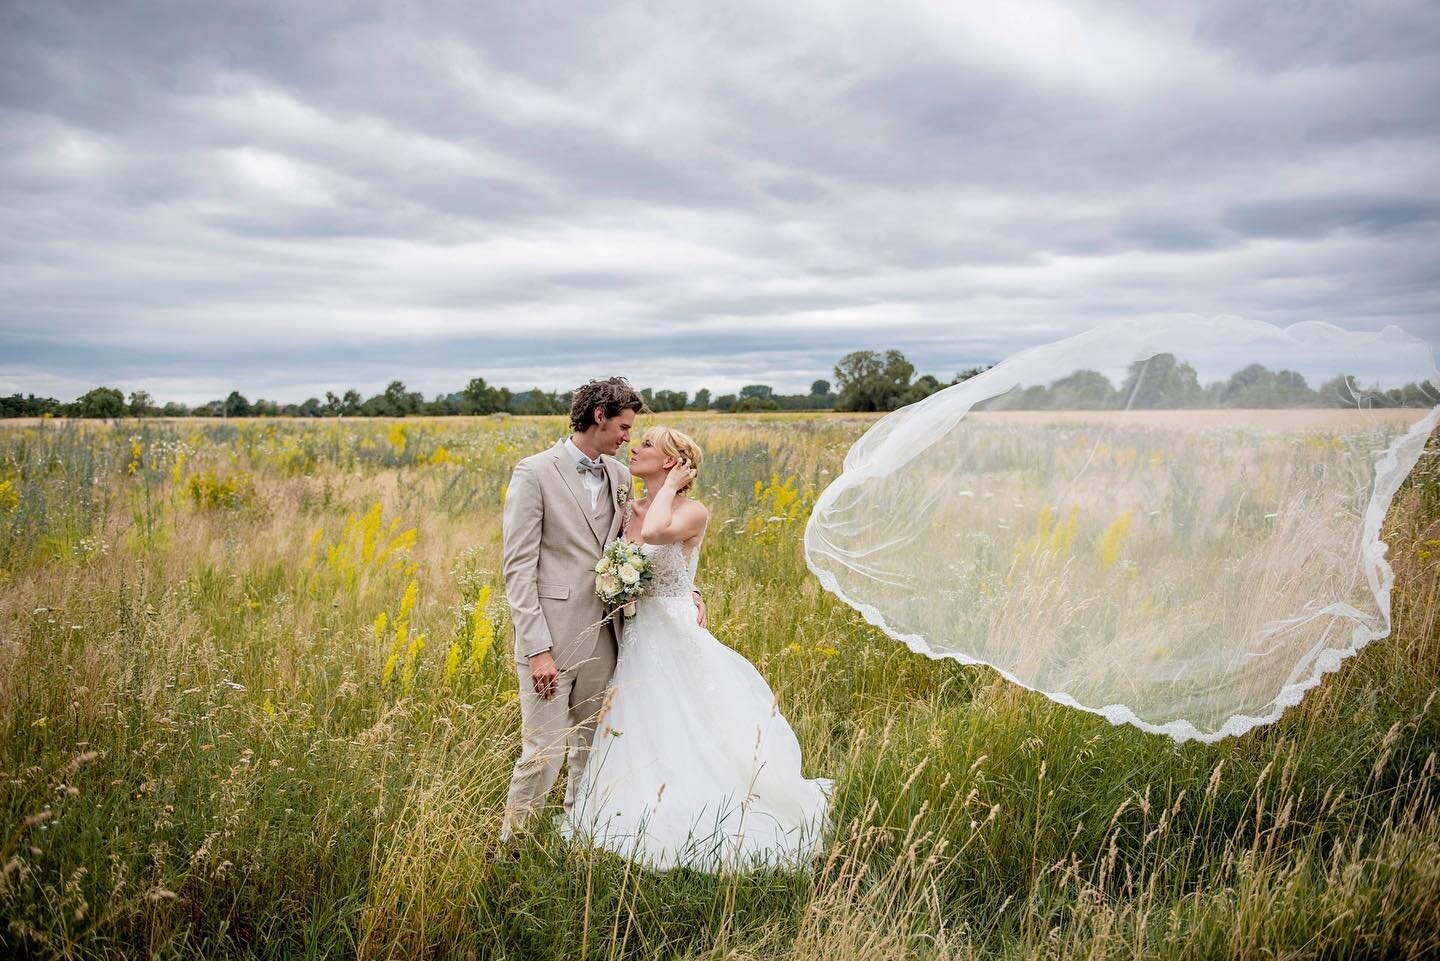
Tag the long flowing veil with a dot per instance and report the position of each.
(1174, 525)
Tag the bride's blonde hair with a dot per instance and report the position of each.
(675, 444)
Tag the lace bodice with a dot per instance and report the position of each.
(674, 569)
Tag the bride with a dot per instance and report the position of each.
(692, 764)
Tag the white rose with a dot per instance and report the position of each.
(603, 566)
(629, 574)
(608, 584)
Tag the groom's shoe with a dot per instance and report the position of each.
(514, 830)
(503, 850)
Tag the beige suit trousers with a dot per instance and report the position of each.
(554, 729)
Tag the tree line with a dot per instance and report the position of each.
(396, 400)
(865, 380)
(1166, 382)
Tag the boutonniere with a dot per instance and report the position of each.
(622, 494)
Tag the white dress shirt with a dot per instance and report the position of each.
(592, 483)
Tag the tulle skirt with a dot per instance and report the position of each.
(693, 764)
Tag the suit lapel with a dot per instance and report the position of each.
(571, 477)
(617, 482)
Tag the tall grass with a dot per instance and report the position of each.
(203, 753)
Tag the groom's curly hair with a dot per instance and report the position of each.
(613, 393)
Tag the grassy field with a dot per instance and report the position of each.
(257, 699)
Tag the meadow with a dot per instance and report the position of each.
(257, 699)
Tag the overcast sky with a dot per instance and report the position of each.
(293, 197)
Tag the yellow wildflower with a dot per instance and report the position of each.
(407, 676)
(482, 632)
(399, 438)
(1108, 549)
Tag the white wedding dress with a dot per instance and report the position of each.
(693, 765)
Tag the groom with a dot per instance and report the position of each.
(562, 507)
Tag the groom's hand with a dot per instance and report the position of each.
(543, 674)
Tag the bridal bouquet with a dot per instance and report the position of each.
(622, 575)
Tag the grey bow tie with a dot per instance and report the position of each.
(587, 466)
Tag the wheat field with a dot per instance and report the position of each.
(257, 700)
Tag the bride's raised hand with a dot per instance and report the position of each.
(680, 475)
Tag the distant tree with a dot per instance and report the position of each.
(141, 405)
(445, 405)
(377, 405)
(395, 395)
(756, 391)
(401, 401)
(310, 407)
(1161, 381)
(1345, 390)
(1258, 386)
(481, 398)
(1291, 389)
(1082, 390)
(1019, 397)
(1418, 395)
(1248, 380)
(860, 376)
(350, 403)
(819, 387)
(264, 408)
(824, 401)
(665, 400)
(702, 399)
(236, 405)
(520, 402)
(868, 381)
(174, 409)
(725, 403)
(100, 402)
(969, 372)
(924, 386)
(537, 401)
(28, 406)
(754, 403)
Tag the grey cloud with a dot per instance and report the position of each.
(1330, 32)
(1169, 235)
(284, 196)
(1311, 217)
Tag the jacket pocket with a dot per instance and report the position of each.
(558, 592)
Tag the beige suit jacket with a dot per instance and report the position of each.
(552, 539)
